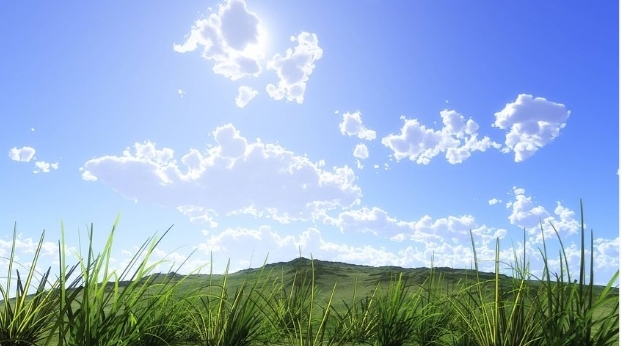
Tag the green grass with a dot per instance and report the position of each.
(304, 302)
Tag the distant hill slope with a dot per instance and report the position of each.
(345, 276)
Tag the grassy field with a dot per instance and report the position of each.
(305, 302)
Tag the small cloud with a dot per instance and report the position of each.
(25, 154)
(494, 201)
(181, 93)
(245, 95)
(352, 126)
(294, 68)
(532, 123)
(361, 151)
(44, 167)
(199, 214)
(32, 129)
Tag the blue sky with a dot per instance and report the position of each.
(369, 132)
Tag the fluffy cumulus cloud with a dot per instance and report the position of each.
(234, 176)
(245, 94)
(531, 123)
(229, 38)
(294, 67)
(361, 151)
(352, 126)
(45, 167)
(24, 154)
(531, 216)
(457, 139)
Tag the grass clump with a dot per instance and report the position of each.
(217, 318)
(101, 307)
(27, 318)
(296, 313)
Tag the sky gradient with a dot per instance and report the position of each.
(369, 132)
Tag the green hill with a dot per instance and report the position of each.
(344, 275)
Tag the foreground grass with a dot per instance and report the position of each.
(305, 302)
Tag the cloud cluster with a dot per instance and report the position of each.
(27, 154)
(531, 123)
(234, 39)
(294, 67)
(233, 176)
(453, 229)
(457, 140)
(45, 167)
(352, 126)
(229, 38)
(528, 215)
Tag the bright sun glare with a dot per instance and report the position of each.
(258, 49)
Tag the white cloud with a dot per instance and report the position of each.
(234, 175)
(294, 68)
(532, 124)
(378, 222)
(374, 220)
(530, 216)
(44, 167)
(494, 201)
(606, 253)
(457, 139)
(361, 151)
(231, 38)
(181, 93)
(25, 154)
(254, 244)
(28, 246)
(245, 95)
(352, 126)
(199, 214)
